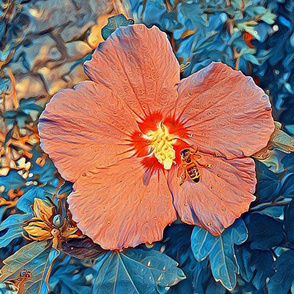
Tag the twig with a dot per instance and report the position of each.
(13, 83)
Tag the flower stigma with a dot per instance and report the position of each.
(161, 145)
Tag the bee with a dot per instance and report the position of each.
(189, 166)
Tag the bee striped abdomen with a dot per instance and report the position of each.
(193, 172)
(188, 166)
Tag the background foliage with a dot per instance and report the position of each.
(42, 49)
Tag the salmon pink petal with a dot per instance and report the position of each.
(138, 64)
(84, 128)
(117, 208)
(224, 192)
(225, 112)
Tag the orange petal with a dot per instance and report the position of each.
(137, 64)
(116, 209)
(35, 230)
(44, 210)
(225, 112)
(84, 128)
(224, 192)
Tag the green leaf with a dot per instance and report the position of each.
(115, 22)
(36, 257)
(220, 250)
(137, 271)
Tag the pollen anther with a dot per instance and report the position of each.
(161, 145)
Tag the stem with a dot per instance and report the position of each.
(269, 204)
(237, 58)
(168, 5)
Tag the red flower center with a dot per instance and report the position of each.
(159, 141)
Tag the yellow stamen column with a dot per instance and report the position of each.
(161, 145)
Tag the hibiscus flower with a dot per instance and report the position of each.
(122, 138)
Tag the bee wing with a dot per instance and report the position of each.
(181, 171)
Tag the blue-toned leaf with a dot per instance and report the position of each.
(8, 135)
(243, 255)
(268, 183)
(35, 257)
(3, 208)
(283, 279)
(40, 284)
(213, 287)
(43, 172)
(153, 13)
(65, 188)
(251, 58)
(4, 85)
(7, 288)
(69, 276)
(220, 250)
(264, 231)
(284, 21)
(10, 114)
(287, 189)
(27, 199)
(115, 22)
(11, 228)
(26, 105)
(268, 17)
(52, 186)
(272, 211)
(289, 221)
(137, 271)
(12, 180)
(178, 246)
(190, 16)
(262, 265)
(263, 31)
